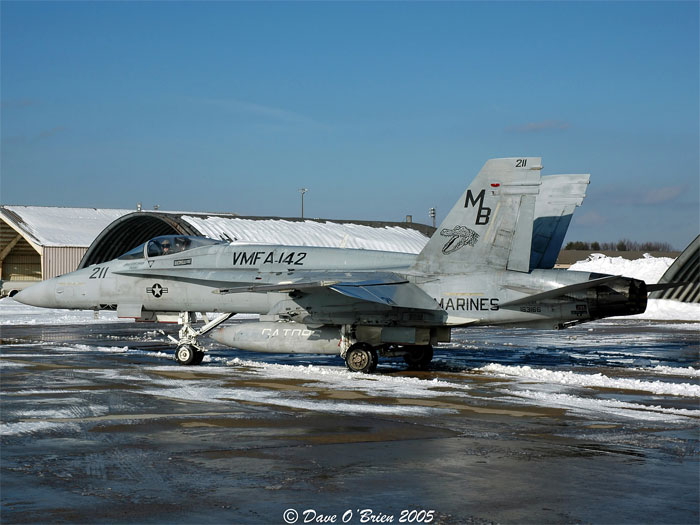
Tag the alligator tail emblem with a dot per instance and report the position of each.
(460, 236)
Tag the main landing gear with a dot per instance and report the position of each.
(362, 357)
(188, 351)
(418, 357)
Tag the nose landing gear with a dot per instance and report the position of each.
(188, 351)
(188, 355)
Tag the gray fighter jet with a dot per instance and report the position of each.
(489, 263)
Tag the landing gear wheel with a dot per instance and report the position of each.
(185, 355)
(418, 357)
(361, 357)
(375, 361)
(188, 350)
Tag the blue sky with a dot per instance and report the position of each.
(380, 109)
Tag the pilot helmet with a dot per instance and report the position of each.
(165, 243)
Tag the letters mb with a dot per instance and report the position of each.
(483, 213)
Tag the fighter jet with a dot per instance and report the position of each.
(489, 263)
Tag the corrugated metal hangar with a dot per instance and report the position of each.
(39, 242)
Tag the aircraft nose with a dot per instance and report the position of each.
(40, 294)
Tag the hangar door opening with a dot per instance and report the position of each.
(19, 261)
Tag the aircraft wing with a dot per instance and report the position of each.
(386, 288)
(401, 295)
(377, 287)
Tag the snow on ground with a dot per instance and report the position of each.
(592, 396)
(342, 379)
(668, 310)
(649, 269)
(573, 379)
(592, 407)
(31, 427)
(15, 313)
(688, 371)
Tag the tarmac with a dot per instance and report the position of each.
(101, 426)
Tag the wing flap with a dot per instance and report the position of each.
(399, 295)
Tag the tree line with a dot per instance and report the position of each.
(624, 245)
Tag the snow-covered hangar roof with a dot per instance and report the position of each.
(130, 230)
(56, 226)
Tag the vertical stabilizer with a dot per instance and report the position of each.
(491, 224)
(559, 196)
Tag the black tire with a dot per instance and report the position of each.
(198, 356)
(361, 357)
(375, 361)
(418, 357)
(185, 355)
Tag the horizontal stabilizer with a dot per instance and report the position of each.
(665, 286)
(560, 292)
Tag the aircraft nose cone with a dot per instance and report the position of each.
(40, 294)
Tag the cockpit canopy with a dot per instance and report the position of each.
(168, 245)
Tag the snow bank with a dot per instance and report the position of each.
(649, 269)
(338, 378)
(594, 408)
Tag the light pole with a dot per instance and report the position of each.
(302, 191)
(431, 212)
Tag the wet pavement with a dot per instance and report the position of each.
(598, 424)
